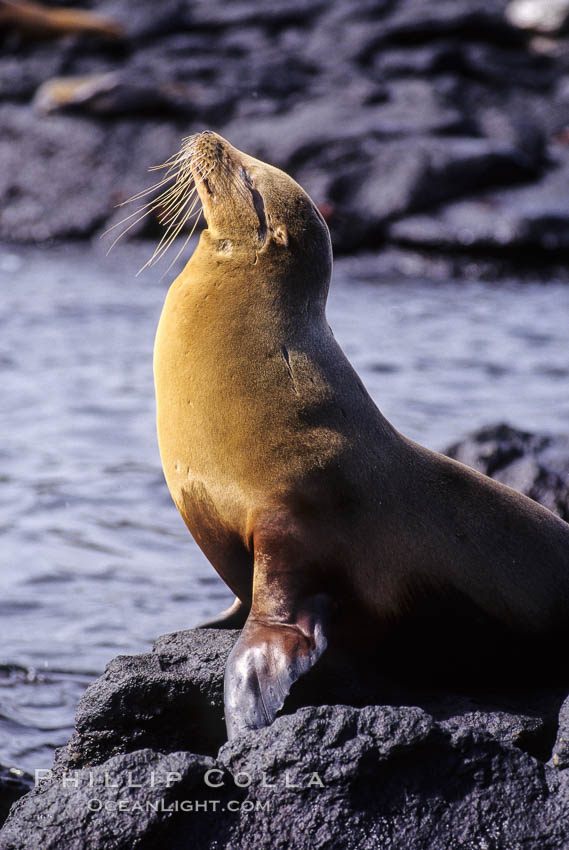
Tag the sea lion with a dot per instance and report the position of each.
(329, 525)
(36, 21)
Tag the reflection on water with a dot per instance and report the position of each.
(95, 560)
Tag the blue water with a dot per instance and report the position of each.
(95, 559)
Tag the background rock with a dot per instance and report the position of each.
(534, 464)
(549, 16)
(531, 219)
(383, 110)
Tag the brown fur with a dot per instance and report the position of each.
(36, 21)
(288, 475)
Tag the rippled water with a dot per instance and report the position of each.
(95, 560)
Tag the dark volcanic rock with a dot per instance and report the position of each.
(47, 182)
(173, 699)
(144, 783)
(532, 218)
(177, 690)
(328, 776)
(379, 767)
(537, 465)
(383, 109)
(304, 132)
(405, 175)
(414, 22)
(129, 93)
(14, 783)
(83, 171)
(20, 75)
(561, 748)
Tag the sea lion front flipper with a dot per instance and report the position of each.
(233, 617)
(267, 659)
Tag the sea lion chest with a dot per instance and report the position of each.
(195, 403)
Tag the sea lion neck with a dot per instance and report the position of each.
(249, 280)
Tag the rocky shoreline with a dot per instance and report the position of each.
(356, 760)
(427, 133)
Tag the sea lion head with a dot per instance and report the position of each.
(257, 216)
(255, 210)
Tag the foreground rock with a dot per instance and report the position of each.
(357, 759)
(423, 770)
(441, 128)
(13, 784)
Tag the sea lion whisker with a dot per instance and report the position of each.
(172, 232)
(170, 235)
(130, 226)
(179, 197)
(142, 212)
(180, 216)
(182, 180)
(184, 185)
(173, 202)
(157, 256)
(173, 199)
(203, 175)
(147, 191)
(174, 160)
(152, 205)
(168, 177)
(184, 162)
(186, 240)
(175, 206)
(155, 203)
(172, 216)
(186, 152)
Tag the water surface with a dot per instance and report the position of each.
(95, 559)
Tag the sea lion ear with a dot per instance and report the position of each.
(280, 235)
